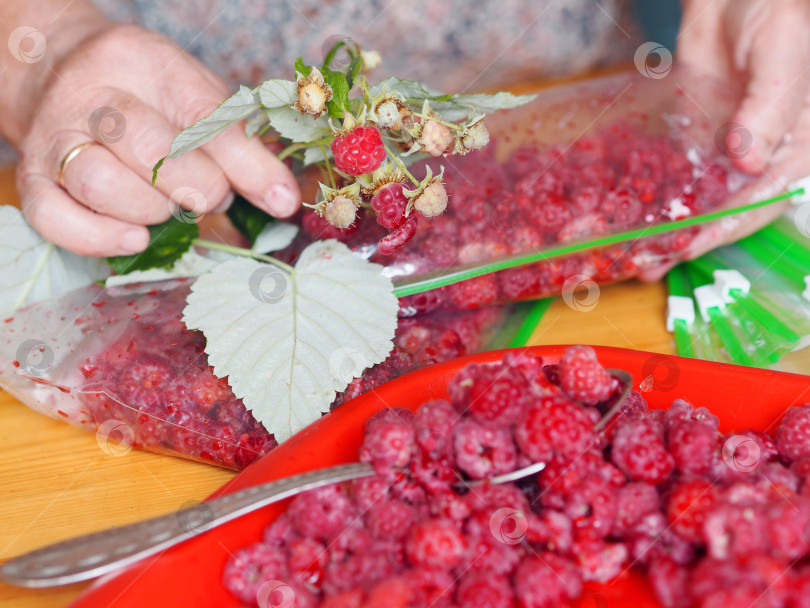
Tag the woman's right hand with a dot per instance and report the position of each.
(131, 91)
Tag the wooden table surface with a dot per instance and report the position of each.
(55, 481)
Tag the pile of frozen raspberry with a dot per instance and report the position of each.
(153, 375)
(713, 520)
(617, 179)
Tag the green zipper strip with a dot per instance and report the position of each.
(718, 320)
(676, 283)
(791, 249)
(772, 258)
(746, 306)
(413, 285)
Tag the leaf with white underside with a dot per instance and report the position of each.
(32, 269)
(296, 127)
(451, 107)
(236, 108)
(288, 343)
(274, 237)
(278, 93)
(191, 264)
(314, 154)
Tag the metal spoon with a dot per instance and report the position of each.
(86, 557)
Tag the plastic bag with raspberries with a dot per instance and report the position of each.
(120, 363)
(712, 520)
(579, 162)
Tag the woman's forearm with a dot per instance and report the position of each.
(39, 34)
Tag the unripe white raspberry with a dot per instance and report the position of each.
(340, 212)
(387, 114)
(435, 138)
(476, 137)
(432, 201)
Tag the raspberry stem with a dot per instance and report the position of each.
(328, 165)
(401, 165)
(450, 125)
(245, 253)
(300, 146)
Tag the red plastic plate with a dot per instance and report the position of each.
(190, 574)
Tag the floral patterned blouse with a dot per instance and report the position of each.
(450, 44)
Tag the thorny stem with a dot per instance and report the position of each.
(245, 253)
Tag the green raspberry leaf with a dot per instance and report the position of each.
(302, 68)
(355, 68)
(248, 219)
(330, 56)
(340, 92)
(167, 244)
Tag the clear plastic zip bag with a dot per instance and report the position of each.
(544, 206)
(119, 362)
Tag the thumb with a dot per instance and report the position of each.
(255, 173)
(776, 90)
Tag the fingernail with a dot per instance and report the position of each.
(281, 201)
(134, 241)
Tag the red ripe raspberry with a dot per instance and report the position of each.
(547, 580)
(689, 503)
(482, 451)
(388, 443)
(551, 529)
(360, 151)
(693, 444)
(793, 434)
(639, 451)
(248, 568)
(431, 587)
(484, 590)
(598, 560)
(623, 207)
(633, 502)
(390, 204)
(554, 425)
(551, 213)
(789, 528)
(436, 543)
(731, 530)
(592, 508)
(390, 519)
(473, 293)
(490, 553)
(399, 236)
(491, 394)
(321, 513)
(582, 377)
(307, 559)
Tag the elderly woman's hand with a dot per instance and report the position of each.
(762, 48)
(130, 91)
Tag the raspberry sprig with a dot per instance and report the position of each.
(384, 127)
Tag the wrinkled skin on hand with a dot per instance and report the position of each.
(131, 90)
